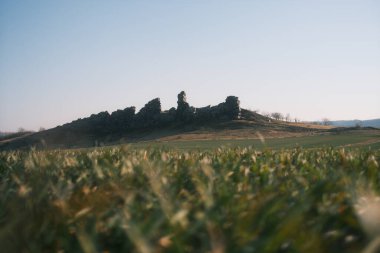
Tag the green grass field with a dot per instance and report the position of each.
(362, 139)
(130, 199)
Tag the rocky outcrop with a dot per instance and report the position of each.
(151, 116)
(184, 112)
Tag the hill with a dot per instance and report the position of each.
(352, 123)
(3, 134)
(12, 136)
(223, 121)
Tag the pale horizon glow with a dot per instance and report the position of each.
(64, 60)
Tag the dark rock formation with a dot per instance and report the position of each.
(184, 112)
(232, 107)
(149, 117)
(123, 119)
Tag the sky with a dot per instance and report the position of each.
(64, 60)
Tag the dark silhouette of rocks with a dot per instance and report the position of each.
(151, 116)
(108, 128)
(123, 119)
(232, 107)
(184, 112)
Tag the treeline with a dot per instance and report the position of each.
(151, 116)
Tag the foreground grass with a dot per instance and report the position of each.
(160, 200)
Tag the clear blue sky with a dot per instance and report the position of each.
(62, 60)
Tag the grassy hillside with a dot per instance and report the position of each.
(250, 126)
(12, 136)
(161, 200)
(280, 140)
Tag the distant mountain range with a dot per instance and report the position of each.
(353, 123)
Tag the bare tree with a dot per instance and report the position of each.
(358, 124)
(326, 122)
(288, 118)
(277, 116)
(266, 114)
(21, 130)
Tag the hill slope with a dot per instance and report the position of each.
(250, 125)
(352, 123)
(223, 121)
